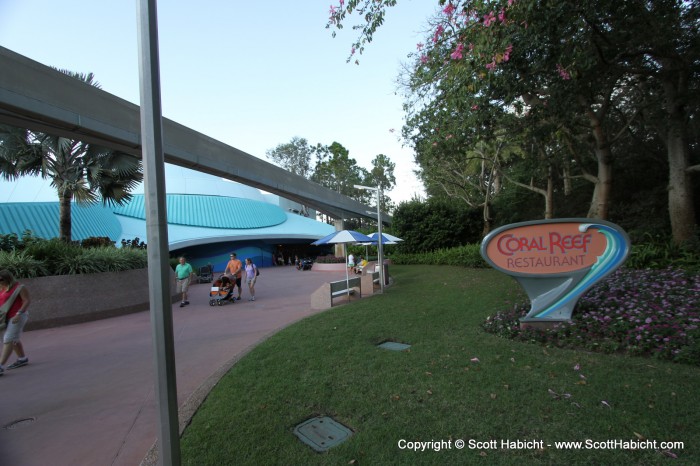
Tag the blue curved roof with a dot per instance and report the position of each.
(193, 219)
(41, 218)
(210, 211)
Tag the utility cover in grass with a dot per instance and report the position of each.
(322, 433)
(394, 346)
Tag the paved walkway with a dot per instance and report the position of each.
(87, 395)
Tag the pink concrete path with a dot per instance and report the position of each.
(87, 396)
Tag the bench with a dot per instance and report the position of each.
(344, 287)
(322, 298)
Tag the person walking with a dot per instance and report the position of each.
(251, 273)
(14, 301)
(183, 276)
(234, 269)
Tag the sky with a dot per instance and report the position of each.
(250, 74)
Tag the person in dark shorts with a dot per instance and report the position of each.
(234, 270)
(15, 297)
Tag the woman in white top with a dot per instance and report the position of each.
(251, 274)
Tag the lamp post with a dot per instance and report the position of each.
(380, 251)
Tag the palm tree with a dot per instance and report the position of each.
(79, 171)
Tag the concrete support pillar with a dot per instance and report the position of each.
(339, 250)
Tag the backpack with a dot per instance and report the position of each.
(257, 272)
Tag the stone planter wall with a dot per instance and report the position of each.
(337, 267)
(71, 299)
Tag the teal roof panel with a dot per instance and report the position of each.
(210, 211)
(41, 218)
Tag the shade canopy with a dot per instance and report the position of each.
(344, 237)
(386, 238)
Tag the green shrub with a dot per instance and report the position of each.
(661, 254)
(464, 256)
(653, 255)
(51, 252)
(435, 223)
(29, 238)
(41, 257)
(22, 264)
(96, 260)
(9, 242)
(80, 261)
(132, 258)
(135, 243)
(96, 242)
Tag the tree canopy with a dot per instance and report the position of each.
(555, 98)
(331, 166)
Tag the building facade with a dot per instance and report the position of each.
(208, 217)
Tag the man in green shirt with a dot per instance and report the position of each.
(183, 274)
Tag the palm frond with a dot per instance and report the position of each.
(78, 170)
(88, 78)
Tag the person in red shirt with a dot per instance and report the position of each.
(15, 318)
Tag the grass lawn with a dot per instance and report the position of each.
(456, 382)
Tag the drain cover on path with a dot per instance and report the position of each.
(322, 433)
(394, 346)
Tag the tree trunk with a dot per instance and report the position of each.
(566, 177)
(487, 219)
(600, 202)
(549, 196)
(601, 193)
(680, 186)
(64, 216)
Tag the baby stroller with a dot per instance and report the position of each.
(221, 292)
(305, 264)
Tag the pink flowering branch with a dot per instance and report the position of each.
(563, 73)
(506, 54)
(449, 9)
(438, 32)
(457, 54)
(489, 19)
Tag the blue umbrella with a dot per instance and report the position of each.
(386, 238)
(344, 237)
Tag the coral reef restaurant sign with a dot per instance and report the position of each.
(556, 261)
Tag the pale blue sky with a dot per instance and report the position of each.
(250, 74)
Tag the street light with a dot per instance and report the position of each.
(380, 251)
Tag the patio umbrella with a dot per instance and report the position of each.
(344, 237)
(386, 238)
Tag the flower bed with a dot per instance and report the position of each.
(642, 312)
(329, 260)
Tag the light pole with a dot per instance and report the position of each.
(380, 251)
